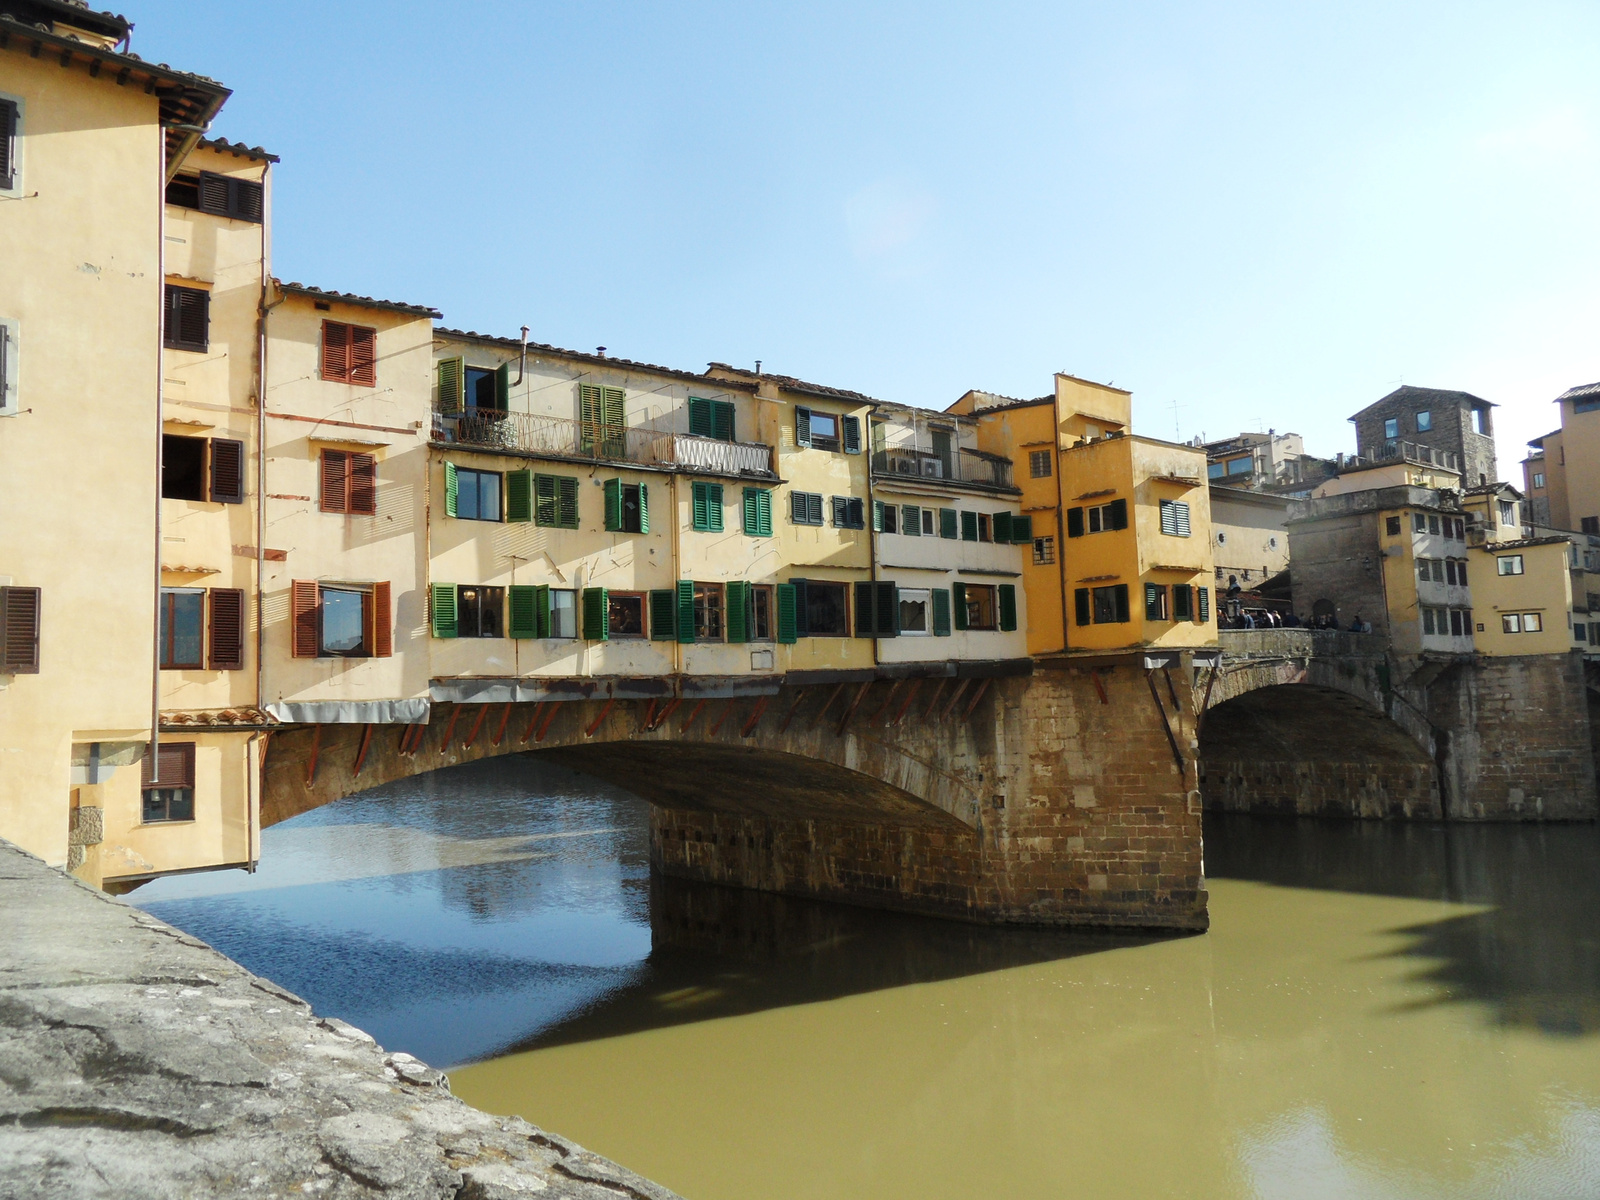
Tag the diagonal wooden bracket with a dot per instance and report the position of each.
(861, 694)
(500, 733)
(605, 711)
(483, 711)
(905, 706)
(361, 754)
(551, 708)
(755, 717)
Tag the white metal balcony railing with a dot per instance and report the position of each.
(536, 433)
(963, 466)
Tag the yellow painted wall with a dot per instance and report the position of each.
(1248, 533)
(1395, 474)
(1544, 587)
(1580, 447)
(391, 421)
(1165, 471)
(82, 276)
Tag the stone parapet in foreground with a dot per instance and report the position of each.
(136, 1061)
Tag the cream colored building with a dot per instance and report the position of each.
(88, 141)
(1249, 534)
(1562, 475)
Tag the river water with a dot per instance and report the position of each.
(1378, 1011)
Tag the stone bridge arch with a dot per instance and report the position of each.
(1058, 797)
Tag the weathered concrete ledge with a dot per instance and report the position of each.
(136, 1061)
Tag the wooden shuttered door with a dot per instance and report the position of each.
(188, 318)
(8, 144)
(227, 471)
(173, 766)
(349, 353)
(303, 617)
(19, 630)
(226, 643)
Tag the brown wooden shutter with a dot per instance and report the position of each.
(227, 629)
(303, 617)
(227, 471)
(363, 355)
(363, 483)
(335, 351)
(8, 135)
(214, 193)
(382, 621)
(173, 766)
(335, 481)
(19, 630)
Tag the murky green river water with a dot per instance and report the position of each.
(1377, 1011)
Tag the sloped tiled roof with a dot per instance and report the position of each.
(625, 364)
(239, 149)
(790, 384)
(1407, 392)
(301, 289)
(1577, 393)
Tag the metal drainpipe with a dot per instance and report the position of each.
(258, 776)
(1056, 464)
(161, 368)
(872, 534)
(677, 643)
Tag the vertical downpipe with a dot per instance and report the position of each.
(872, 533)
(161, 369)
(257, 777)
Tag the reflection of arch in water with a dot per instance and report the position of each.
(1313, 750)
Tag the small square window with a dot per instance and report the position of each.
(1532, 622)
(625, 614)
(1391, 428)
(1044, 551)
(1509, 564)
(1424, 422)
(1039, 464)
(1510, 623)
(916, 612)
(1392, 526)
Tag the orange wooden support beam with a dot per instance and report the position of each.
(755, 717)
(405, 739)
(649, 716)
(419, 734)
(693, 713)
(483, 711)
(316, 746)
(799, 699)
(894, 690)
(505, 716)
(450, 727)
(533, 719)
(605, 711)
(826, 705)
(727, 707)
(905, 706)
(933, 701)
(552, 707)
(955, 699)
(976, 696)
(1099, 686)
(861, 694)
(661, 717)
(361, 754)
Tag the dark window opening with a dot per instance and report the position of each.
(184, 191)
(826, 609)
(344, 625)
(481, 390)
(761, 614)
(708, 612)
(625, 614)
(980, 606)
(479, 611)
(183, 467)
(182, 628)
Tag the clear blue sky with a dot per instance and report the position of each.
(1267, 214)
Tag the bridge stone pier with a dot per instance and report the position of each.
(1053, 795)
(1334, 724)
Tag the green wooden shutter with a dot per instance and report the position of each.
(864, 619)
(1008, 607)
(588, 417)
(722, 420)
(699, 417)
(1080, 602)
(663, 615)
(1154, 595)
(877, 516)
(450, 372)
(851, 427)
(1120, 594)
(802, 627)
(752, 521)
(615, 444)
(1021, 530)
(644, 508)
(1203, 607)
(947, 522)
(596, 615)
(567, 502)
(1001, 525)
(444, 609)
(910, 520)
(1074, 522)
(786, 612)
(541, 605)
(519, 495)
(763, 512)
(969, 530)
(714, 506)
(452, 489)
(502, 386)
(738, 611)
(544, 499)
(941, 612)
(1119, 515)
(959, 598)
(524, 621)
(697, 506)
(613, 505)
(802, 426)
(887, 615)
(686, 611)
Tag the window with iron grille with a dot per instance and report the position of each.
(1039, 464)
(1044, 551)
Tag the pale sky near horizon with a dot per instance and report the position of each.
(1252, 215)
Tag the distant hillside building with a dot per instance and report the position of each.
(1260, 462)
(1456, 426)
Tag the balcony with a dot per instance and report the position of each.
(1399, 451)
(966, 466)
(562, 437)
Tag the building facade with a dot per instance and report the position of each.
(1562, 475)
(1457, 427)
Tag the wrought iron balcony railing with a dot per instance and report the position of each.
(562, 437)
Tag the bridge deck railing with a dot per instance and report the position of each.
(1300, 643)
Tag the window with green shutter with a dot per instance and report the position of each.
(757, 512)
(969, 533)
(877, 609)
(711, 418)
(442, 601)
(941, 612)
(686, 611)
(601, 428)
(1021, 530)
(452, 489)
(852, 434)
(596, 615)
(959, 596)
(1002, 527)
(1155, 602)
(706, 502)
(911, 520)
(519, 496)
(1202, 604)
(787, 608)
(627, 507)
(738, 611)
(947, 523)
(664, 615)
(524, 609)
(555, 501)
(502, 386)
(802, 426)
(1008, 608)
(450, 373)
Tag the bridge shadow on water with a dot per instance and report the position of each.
(1532, 955)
